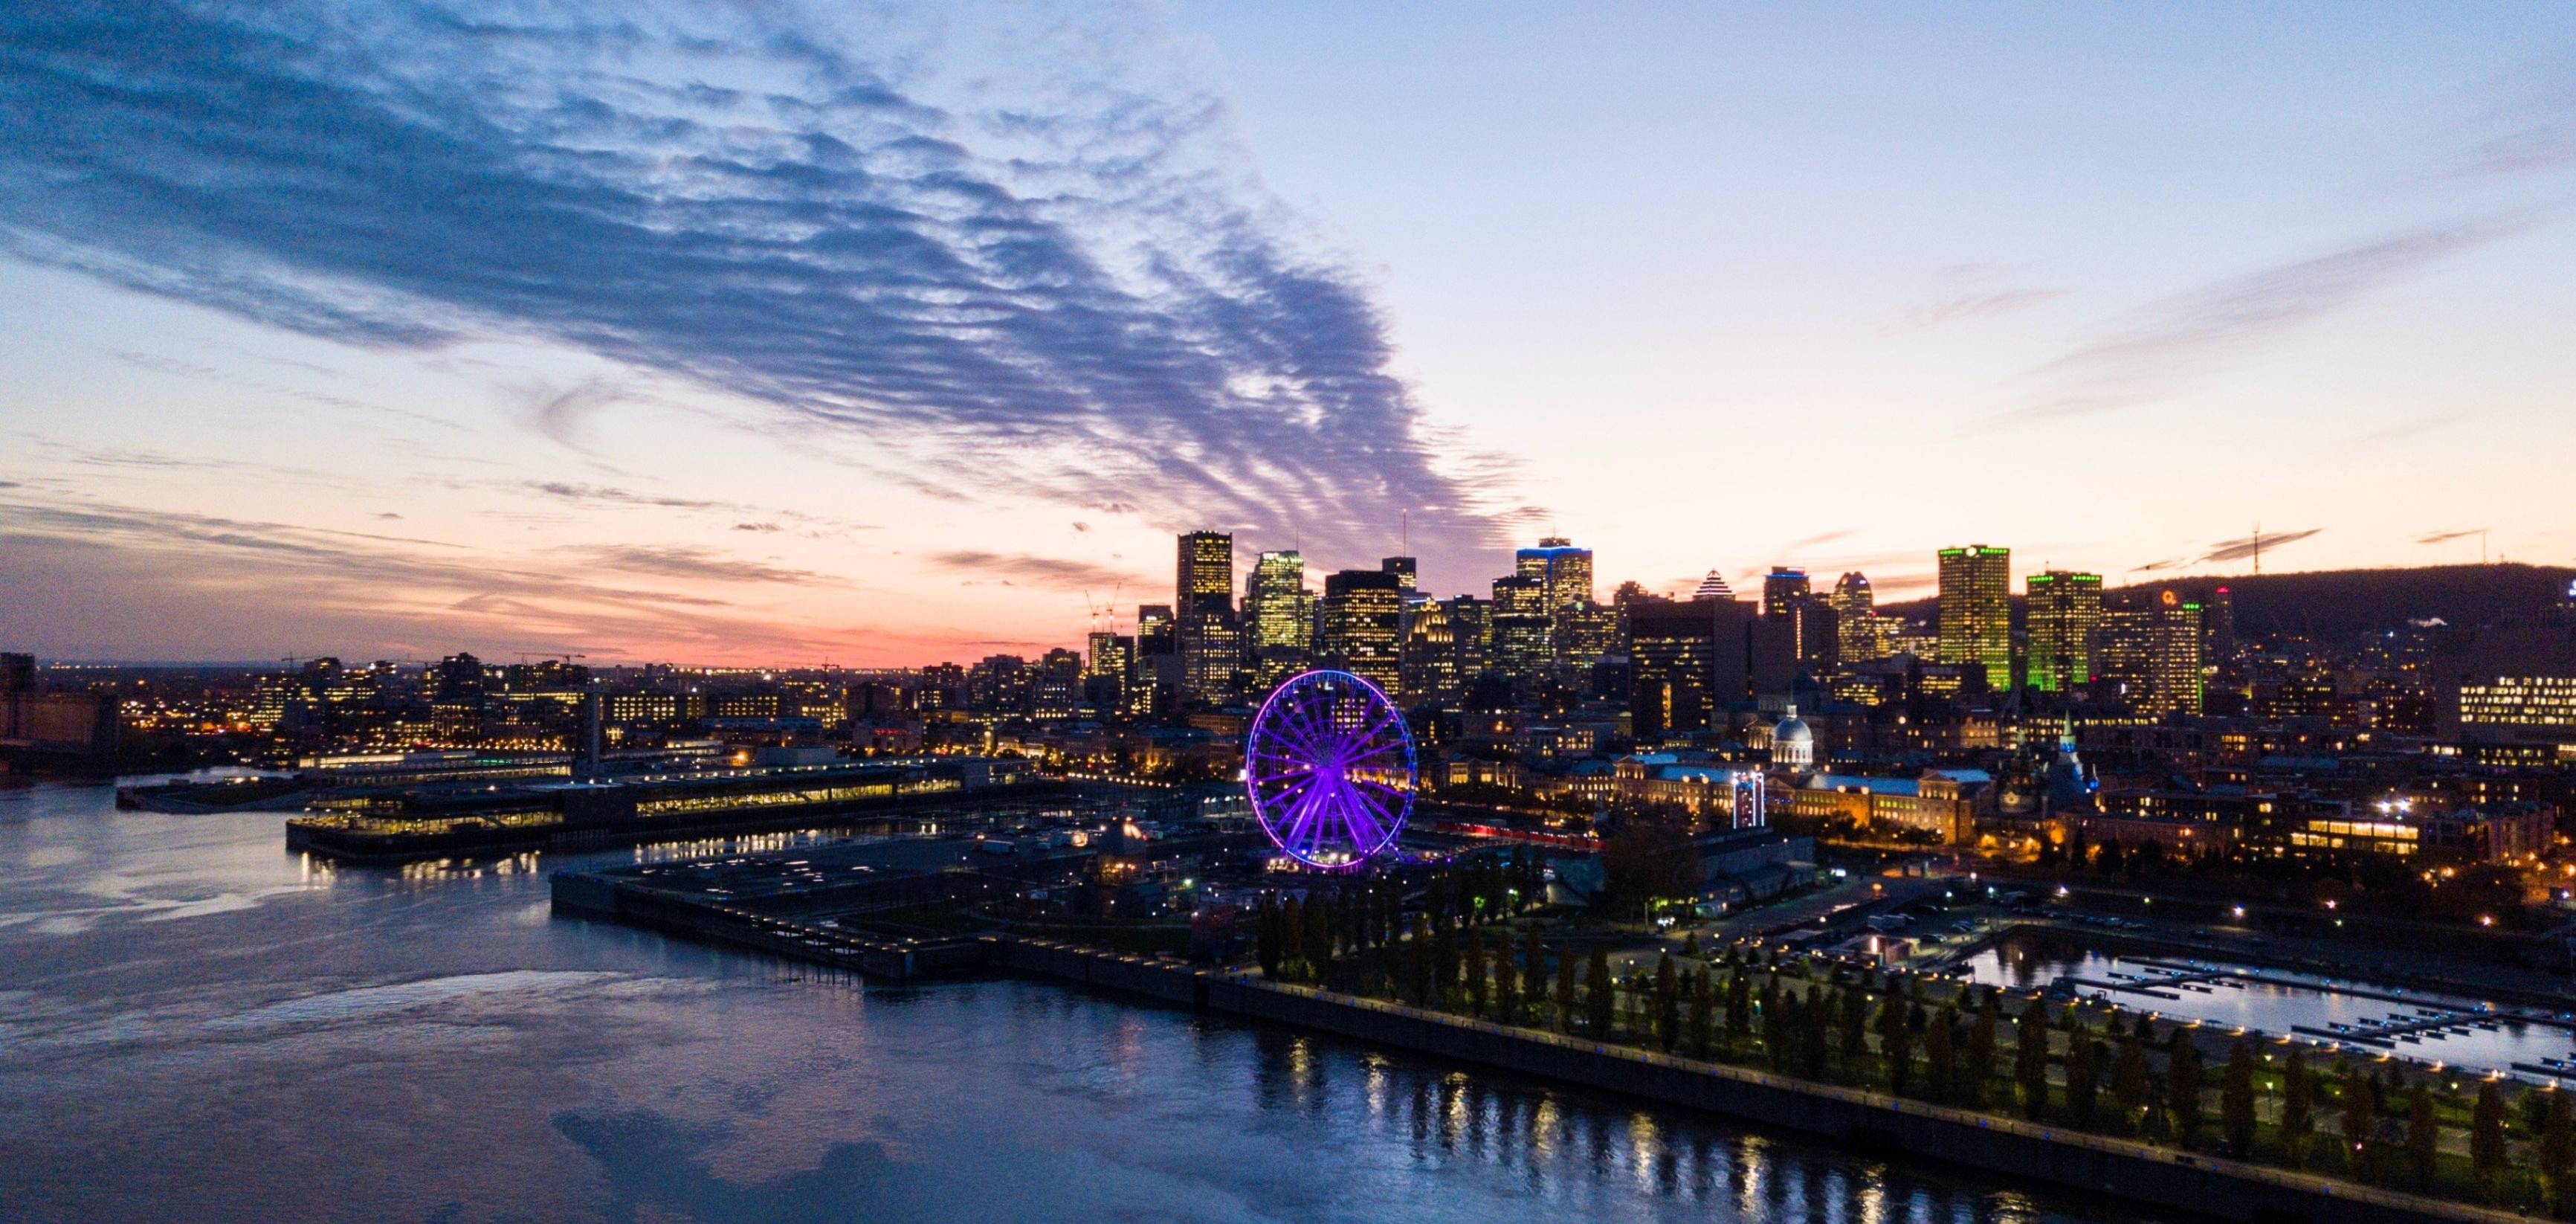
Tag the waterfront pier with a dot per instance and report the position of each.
(1867, 1120)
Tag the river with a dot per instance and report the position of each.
(197, 1026)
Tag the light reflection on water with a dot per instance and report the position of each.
(337, 1044)
(2033, 960)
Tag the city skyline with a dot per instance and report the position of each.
(890, 339)
(1094, 618)
(1469, 614)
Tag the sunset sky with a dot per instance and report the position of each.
(767, 333)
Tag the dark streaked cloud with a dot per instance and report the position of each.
(2440, 537)
(563, 413)
(571, 491)
(2241, 548)
(2255, 545)
(1075, 304)
(681, 561)
(2165, 345)
(1050, 571)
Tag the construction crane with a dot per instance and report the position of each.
(1101, 612)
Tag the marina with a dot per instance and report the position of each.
(2473, 1036)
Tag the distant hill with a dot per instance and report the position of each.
(2343, 603)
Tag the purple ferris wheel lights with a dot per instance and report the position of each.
(1329, 767)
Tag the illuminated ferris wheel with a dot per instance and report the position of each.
(1329, 765)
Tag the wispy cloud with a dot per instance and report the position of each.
(570, 491)
(1063, 572)
(1968, 291)
(2440, 537)
(2166, 345)
(104, 574)
(563, 413)
(1815, 540)
(2399, 431)
(756, 518)
(2531, 132)
(681, 561)
(1082, 304)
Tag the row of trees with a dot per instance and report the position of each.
(1341, 932)
(2042, 1063)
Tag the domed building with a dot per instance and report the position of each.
(1793, 743)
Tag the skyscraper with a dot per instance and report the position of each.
(1209, 638)
(1564, 572)
(1431, 654)
(1522, 624)
(1108, 668)
(1154, 630)
(1211, 658)
(1782, 589)
(1976, 611)
(1802, 634)
(1688, 664)
(2153, 655)
(1628, 596)
(1206, 581)
(1360, 612)
(1403, 569)
(2065, 612)
(1471, 631)
(1856, 620)
(1277, 604)
(1105, 655)
(1582, 632)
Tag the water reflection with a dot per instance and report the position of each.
(386, 1045)
(1572, 1154)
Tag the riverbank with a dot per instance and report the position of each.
(1866, 1120)
(189, 1003)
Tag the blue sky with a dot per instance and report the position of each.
(886, 334)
